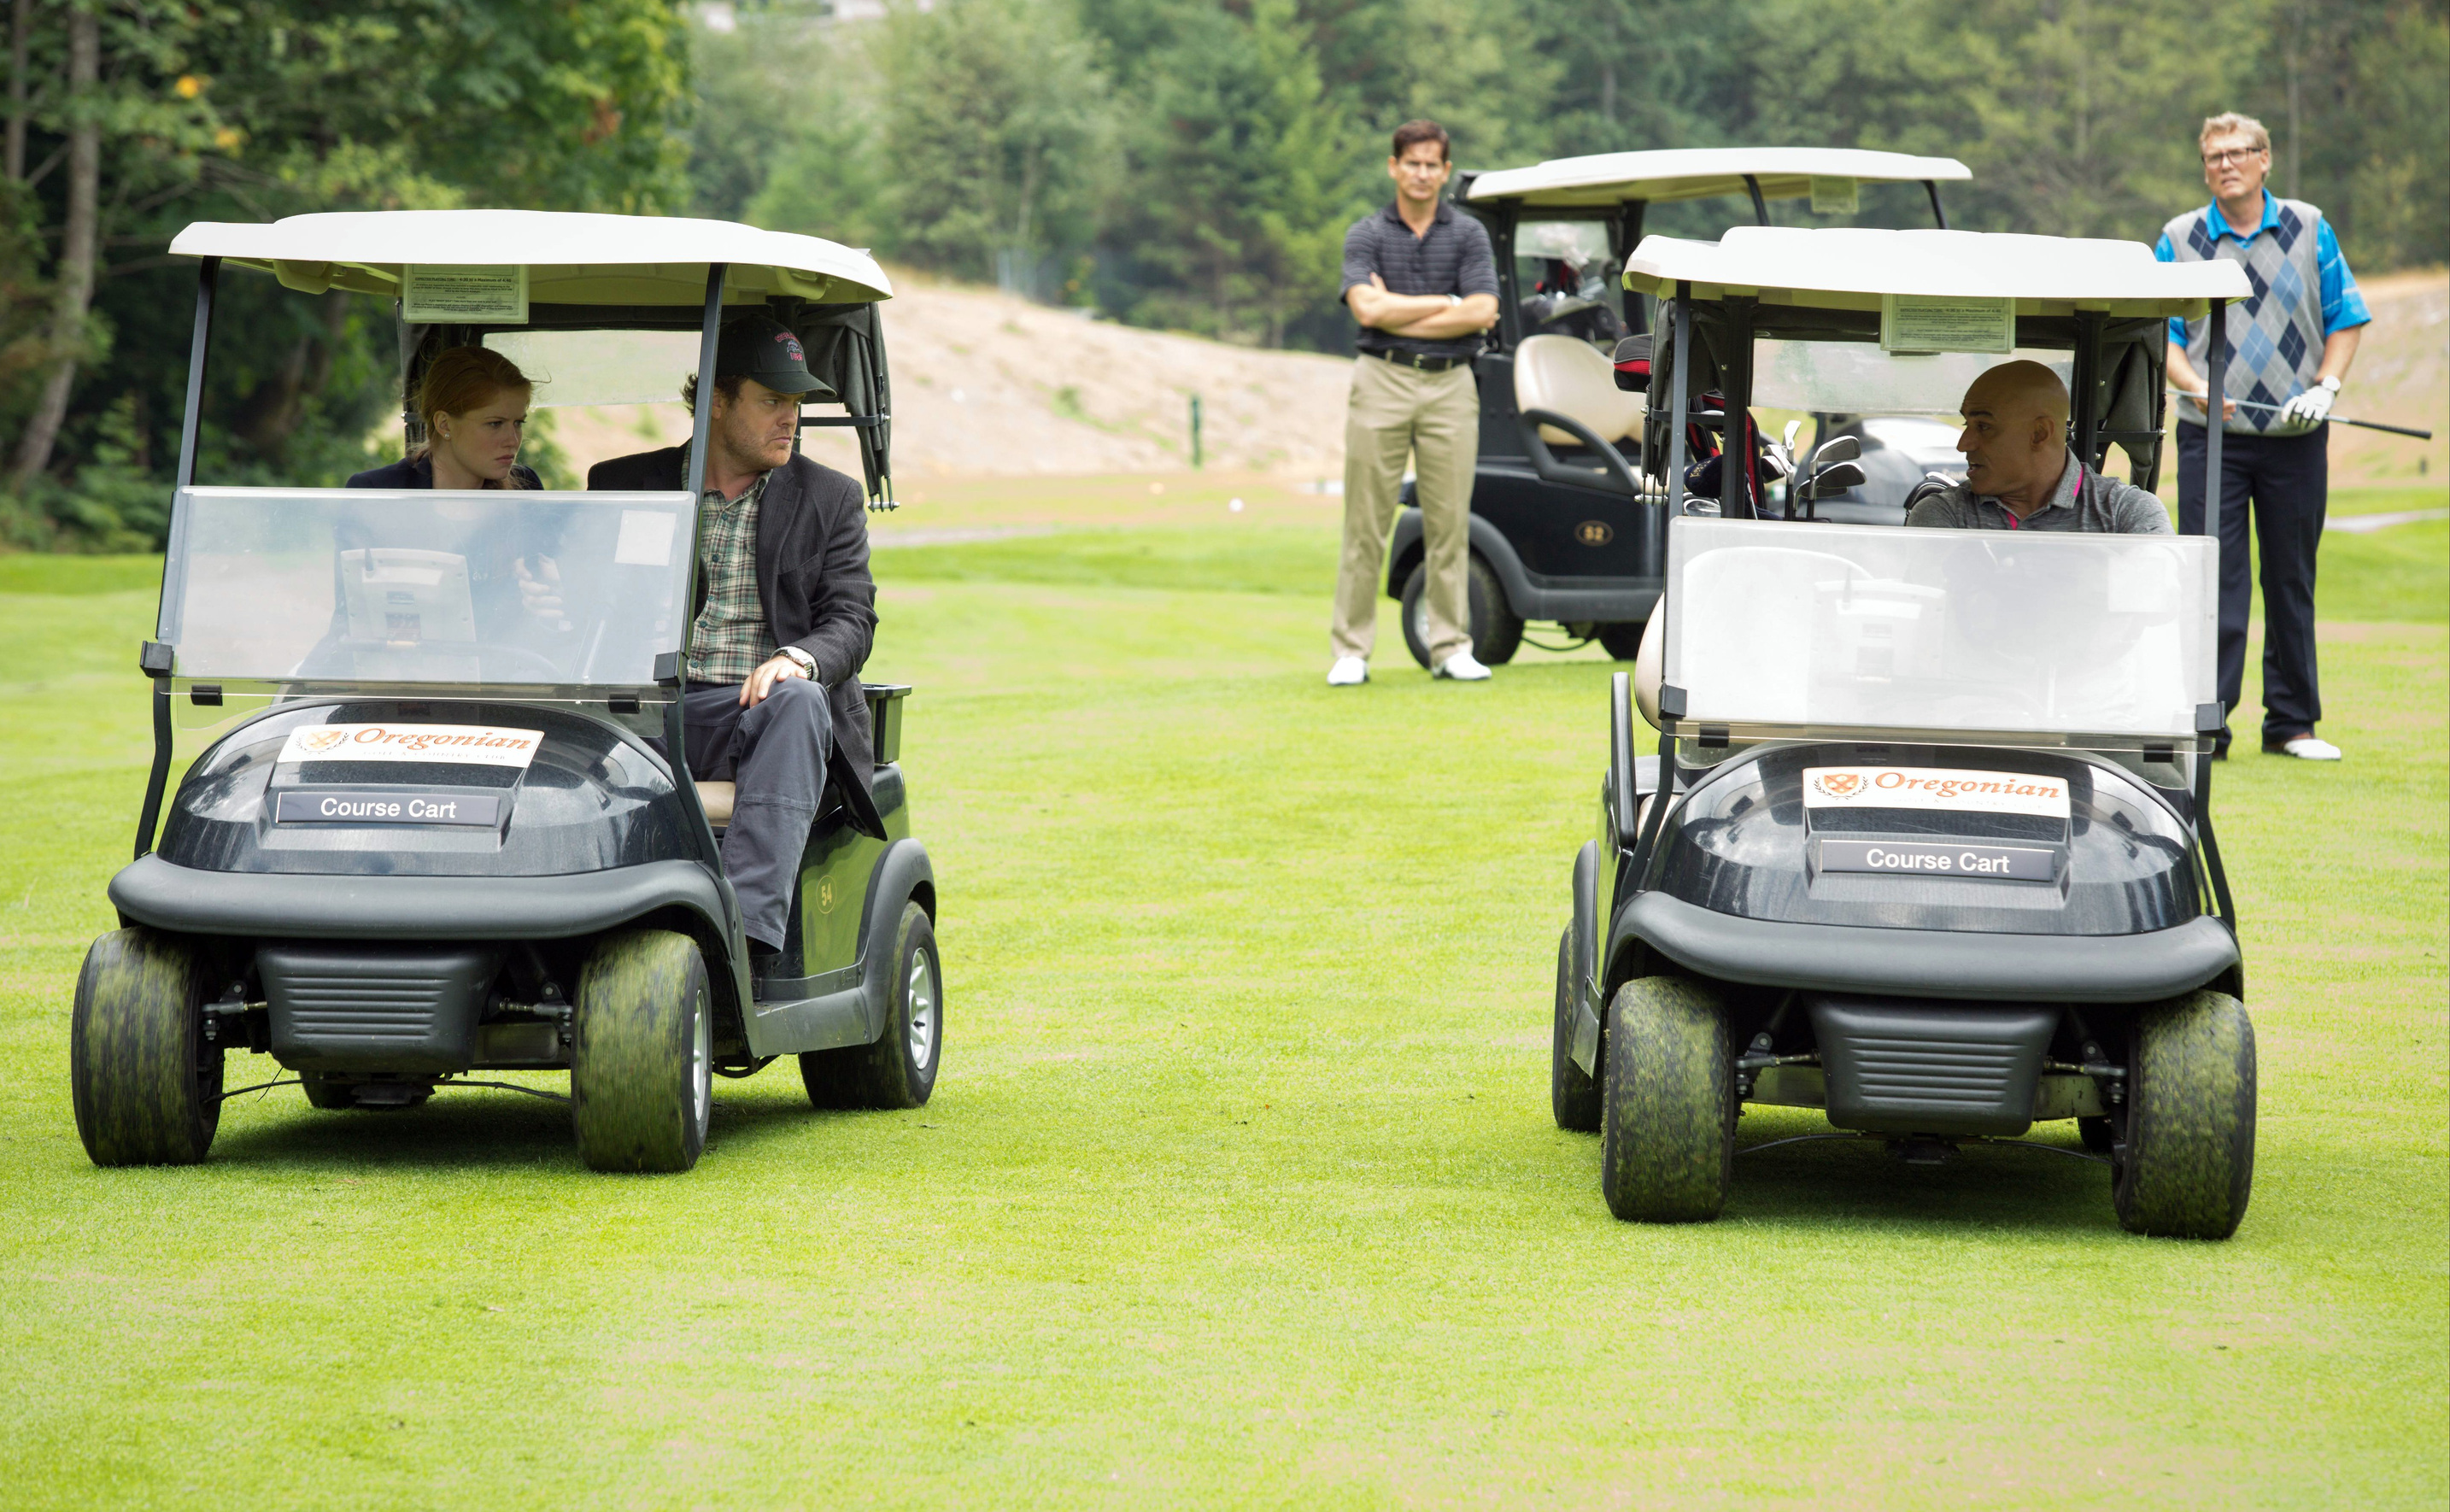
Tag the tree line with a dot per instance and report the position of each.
(1184, 164)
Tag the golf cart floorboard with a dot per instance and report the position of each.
(2001, 967)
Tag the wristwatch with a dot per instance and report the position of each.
(1454, 299)
(806, 663)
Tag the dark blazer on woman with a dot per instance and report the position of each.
(418, 472)
(813, 580)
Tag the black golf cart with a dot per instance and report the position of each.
(432, 831)
(1925, 841)
(1563, 528)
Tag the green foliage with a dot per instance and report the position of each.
(1244, 138)
(253, 109)
(995, 119)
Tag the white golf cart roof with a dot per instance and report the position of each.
(572, 259)
(1700, 173)
(1843, 268)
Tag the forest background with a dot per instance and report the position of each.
(1182, 163)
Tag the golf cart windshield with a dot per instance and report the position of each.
(557, 594)
(1842, 632)
(1859, 378)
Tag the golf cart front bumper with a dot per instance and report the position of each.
(1933, 963)
(294, 906)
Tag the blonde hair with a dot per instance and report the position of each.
(2228, 121)
(460, 380)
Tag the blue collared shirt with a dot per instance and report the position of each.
(2343, 306)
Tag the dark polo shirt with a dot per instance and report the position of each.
(1453, 257)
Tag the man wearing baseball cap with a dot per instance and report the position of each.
(786, 614)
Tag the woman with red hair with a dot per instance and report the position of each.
(475, 405)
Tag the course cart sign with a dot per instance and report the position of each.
(1982, 862)
(406, 806)
(1944, 790)
(446, 745)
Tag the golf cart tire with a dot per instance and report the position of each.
(1573, 1097)
(899, 1069)
(1622, 641)
(2189, 1163)
(1667, 1135)
(641, 1067)
(1496, 631)
(146, 1082)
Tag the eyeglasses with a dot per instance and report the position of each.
(2221, 160)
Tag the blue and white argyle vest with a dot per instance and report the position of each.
(2275, 337)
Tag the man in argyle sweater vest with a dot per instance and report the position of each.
(2289, 347)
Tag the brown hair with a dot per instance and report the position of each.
(726, 385)
(460, 380)
(1413, 132)
(2229, 121)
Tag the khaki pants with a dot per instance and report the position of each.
(1434, 419)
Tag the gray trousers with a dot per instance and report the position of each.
(775, 752)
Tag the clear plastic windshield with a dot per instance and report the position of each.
(1856, 378)
(1780, 630)
(361, 587)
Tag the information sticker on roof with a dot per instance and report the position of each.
(449, 745)
(461, 295)
(1938, 322)
(1835, 196)
(1942, 788)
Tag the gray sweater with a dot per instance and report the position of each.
(2084, 500)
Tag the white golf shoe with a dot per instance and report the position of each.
(2308, 749)
(1461, 668)
(1349, 671)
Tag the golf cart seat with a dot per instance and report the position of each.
(717, 797)
(1574, 379)
(1647, 663)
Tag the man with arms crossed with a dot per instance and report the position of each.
(1420, 278)
(786, 616)
(2289, 347)
(2020, 474)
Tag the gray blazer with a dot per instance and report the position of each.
(812, 579)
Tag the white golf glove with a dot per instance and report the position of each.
(2310, 408)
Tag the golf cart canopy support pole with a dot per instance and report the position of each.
(2215, 387)
(1931, 186)
(675, 720)
(1681, 345)
(209, 278)
(1736, 386)
(1760, 206)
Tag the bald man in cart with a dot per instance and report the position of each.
(2021, 474)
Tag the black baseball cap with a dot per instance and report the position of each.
(762, 347)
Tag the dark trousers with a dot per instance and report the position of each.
(2287, 478)
(775, 751)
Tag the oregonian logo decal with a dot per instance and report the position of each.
(447, 745)
(1944, 789)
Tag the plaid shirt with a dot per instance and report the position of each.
(730, 637)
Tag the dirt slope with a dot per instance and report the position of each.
(987, 385)
(2402, 376)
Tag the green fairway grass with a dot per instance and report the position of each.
(1240, 1187)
